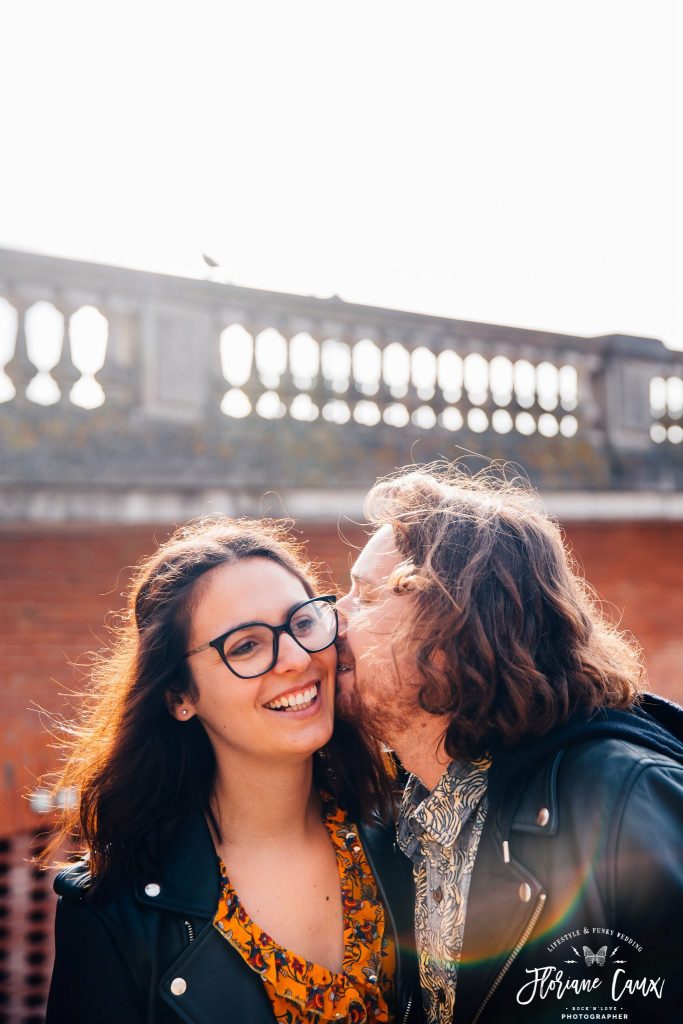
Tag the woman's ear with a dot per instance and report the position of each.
(178, 707)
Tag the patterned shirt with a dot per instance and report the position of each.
(440, 833)
(306, 993)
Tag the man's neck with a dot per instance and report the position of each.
(421, 749)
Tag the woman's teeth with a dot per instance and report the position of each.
(294, 701)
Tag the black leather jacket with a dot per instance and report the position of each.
(117, 963)
(584, 831)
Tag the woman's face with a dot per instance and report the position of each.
(238, 714)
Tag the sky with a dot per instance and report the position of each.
(509, 162)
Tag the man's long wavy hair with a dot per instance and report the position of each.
(507, 639)
(135, 769)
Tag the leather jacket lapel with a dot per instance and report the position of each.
(505, 897)
(190, 878)
(209, 981)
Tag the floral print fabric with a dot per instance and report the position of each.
(440, 833)
(306, 993)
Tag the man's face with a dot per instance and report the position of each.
(376, 684)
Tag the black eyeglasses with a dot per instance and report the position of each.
(251, 650)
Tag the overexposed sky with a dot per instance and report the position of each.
(514, 162)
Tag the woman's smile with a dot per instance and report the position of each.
(296, 700)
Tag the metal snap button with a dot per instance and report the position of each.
(152, 889)
(525, 892)
(543, 817)
(178, 986)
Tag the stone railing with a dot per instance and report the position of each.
(125, 384)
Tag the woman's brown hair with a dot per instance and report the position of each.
(505, 635)
(135, 769)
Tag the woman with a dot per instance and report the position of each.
(227, 876)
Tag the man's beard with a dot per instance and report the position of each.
(381, 719)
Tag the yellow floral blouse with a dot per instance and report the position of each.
(306, 993)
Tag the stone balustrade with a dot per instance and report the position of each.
(122, 388)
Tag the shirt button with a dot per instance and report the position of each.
(372, 978)
(543, 817)
(152, 889)
(525, 892)
(178, 986)
(437, 894)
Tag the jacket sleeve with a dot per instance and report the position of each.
(647, 885)
(90, 980)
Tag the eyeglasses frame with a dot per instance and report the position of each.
(219, 643)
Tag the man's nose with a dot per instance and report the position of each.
(342, 607)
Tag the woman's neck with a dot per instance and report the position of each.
(257, 802)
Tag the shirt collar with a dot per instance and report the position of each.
(439, 815)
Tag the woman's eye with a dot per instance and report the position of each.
(303, 625)
(243, 650)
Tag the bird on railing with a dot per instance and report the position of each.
(214, 268)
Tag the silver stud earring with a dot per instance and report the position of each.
(183, 712)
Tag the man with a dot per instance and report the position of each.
(543, 811)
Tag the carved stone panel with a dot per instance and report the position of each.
(176, 363)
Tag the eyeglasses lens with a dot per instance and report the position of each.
(314, 626)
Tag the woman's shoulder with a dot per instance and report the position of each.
(75, 884)
(75, 881)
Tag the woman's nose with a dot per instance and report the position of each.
(290, 655)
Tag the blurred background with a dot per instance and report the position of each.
(256, 255)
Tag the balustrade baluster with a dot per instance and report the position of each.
(353, 394)
(218, 385)
(412, 399)
(253, 386)
(321, 390)
(383, 397)
(20, 369)
(287, 389)
(65, 372)
(116, 376)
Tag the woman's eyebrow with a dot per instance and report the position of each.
(262, 622)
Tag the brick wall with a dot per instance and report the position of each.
(57, 588)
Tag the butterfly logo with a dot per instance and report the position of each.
(590, 958)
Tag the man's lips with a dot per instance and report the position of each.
(345, 659)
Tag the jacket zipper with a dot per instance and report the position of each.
(190, 931)
(515, 952)
(388, 916)
(408, 1009)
